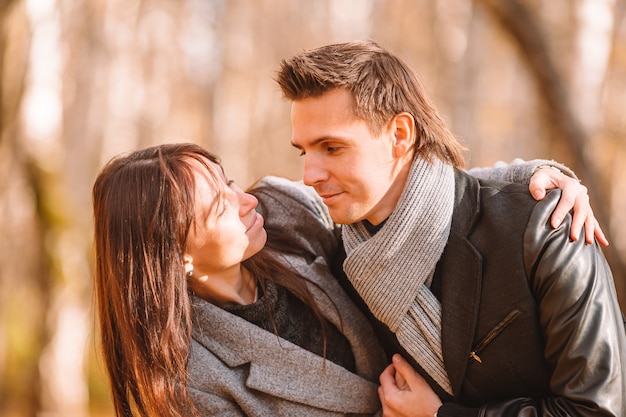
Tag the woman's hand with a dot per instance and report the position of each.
(404, 393)
(573, 196)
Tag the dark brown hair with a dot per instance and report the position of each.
(143, 210)
(382, 86)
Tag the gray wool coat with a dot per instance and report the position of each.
(237, 368)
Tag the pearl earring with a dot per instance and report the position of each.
(190, 273)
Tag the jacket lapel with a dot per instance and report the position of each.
(282, 369)
(299, 376)
(460, 273)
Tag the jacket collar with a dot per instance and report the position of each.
(280, 368)
(460, 270)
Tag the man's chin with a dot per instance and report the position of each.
(342, 217)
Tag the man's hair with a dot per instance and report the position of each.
(382, 86)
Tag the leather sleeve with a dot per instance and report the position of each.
(585, 341)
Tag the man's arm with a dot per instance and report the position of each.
(585, 341)
(542, 175)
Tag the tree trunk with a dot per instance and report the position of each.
(516, 19)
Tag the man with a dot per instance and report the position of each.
(500, 313)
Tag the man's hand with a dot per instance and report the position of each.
(573, 195)
(404, 393)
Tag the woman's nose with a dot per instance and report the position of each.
(247, 202)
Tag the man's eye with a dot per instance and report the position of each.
(302, 153)
(331, 149)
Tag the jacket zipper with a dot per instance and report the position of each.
(513, 315)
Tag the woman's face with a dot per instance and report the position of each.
(227, 228)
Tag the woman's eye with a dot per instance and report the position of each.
(223, 208)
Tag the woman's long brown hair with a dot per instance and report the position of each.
(143, 210)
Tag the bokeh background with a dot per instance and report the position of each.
(83, 80)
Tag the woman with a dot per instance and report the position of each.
(184, 277)
(208, 307)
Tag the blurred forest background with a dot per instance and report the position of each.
(83, 80)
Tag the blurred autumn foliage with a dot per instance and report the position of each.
(83, 80)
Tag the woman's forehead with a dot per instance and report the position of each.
(210, 180)
(208, 169)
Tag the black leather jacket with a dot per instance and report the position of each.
(530, 320)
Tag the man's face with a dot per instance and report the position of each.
(355, 172)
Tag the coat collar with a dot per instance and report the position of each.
(460, 270)
(280, 368)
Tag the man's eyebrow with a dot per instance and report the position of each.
(318, 141)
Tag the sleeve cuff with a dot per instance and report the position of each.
(452, 409)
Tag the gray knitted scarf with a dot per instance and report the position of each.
(393, 269)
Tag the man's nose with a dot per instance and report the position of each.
(314, 171)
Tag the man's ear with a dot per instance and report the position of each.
(403, 126)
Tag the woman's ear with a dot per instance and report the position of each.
(403, 126)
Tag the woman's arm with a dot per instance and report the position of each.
(542, 175)
(293, 209)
